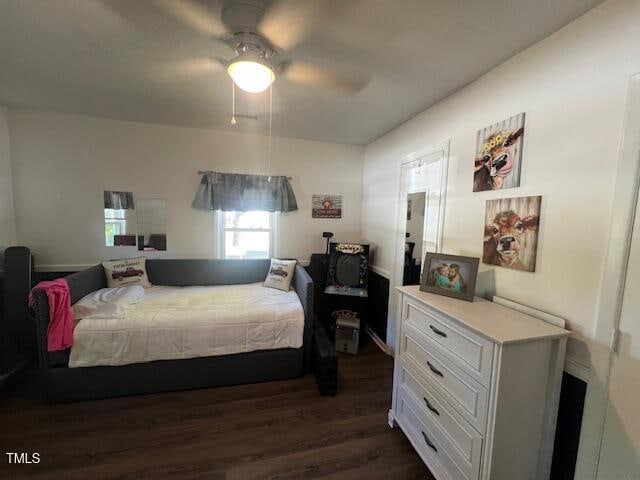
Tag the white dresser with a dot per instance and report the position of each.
(476, 387)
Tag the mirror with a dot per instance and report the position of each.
(414, 241)
(152, 233)
(134, 222)
(119, 219)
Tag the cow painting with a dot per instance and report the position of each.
(511, 232)
(499, 155)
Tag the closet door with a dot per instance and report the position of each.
(620, 454)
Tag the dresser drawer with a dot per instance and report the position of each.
(470, 351)
(464, 439)
(467, 395)
(436, 450)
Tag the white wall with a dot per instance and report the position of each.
(572, 87)
(62, 164)
(7, 220)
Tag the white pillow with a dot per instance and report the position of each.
(107, 302)
(280, 274)
(131, 271)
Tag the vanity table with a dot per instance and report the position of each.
(476, 387)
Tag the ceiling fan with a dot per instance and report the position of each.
(261, 33)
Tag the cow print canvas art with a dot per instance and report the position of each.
(511, 232)
(499, 155)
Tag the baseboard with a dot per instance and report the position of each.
(379, 342)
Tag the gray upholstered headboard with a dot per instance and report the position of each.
(87, 281)
(183, 272)
(206, 271)
(177, 273)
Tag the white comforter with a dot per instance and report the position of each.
(188, 322)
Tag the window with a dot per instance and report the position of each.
(246, 234)
(115, 223)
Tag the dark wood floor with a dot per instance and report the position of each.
(277, 430)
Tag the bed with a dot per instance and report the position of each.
(268, 335)
(170, 323)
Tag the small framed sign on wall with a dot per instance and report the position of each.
(326, 206)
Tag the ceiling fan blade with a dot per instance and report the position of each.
(313, 75)
(189, 69)
(193, 14)
(287, 23)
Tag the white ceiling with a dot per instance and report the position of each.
(130, 60)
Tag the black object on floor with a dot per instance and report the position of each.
(565, 449)
(325, 361)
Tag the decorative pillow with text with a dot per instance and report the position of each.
(280, 274)
(131, 271)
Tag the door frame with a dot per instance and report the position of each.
(623, 216)
(395, 279)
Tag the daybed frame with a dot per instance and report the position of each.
(64, 384)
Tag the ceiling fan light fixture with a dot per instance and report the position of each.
(251, 75)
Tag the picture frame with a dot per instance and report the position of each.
(498, 156)
(450, 275)
(326, 206)
(511, 232)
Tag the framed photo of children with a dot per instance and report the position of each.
(450, 275)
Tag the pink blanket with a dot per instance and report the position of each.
(60, 331)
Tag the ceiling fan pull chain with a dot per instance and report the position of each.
(233, 103)
(270, 130)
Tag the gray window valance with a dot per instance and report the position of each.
(118, 200)
(235, 192)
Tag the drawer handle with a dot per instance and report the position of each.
(437, 331)
(429, 442)
(431, 407)
(435, 370)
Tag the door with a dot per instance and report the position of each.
(620, 454)
(420, 202)
(423, 180)
(620, 449)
